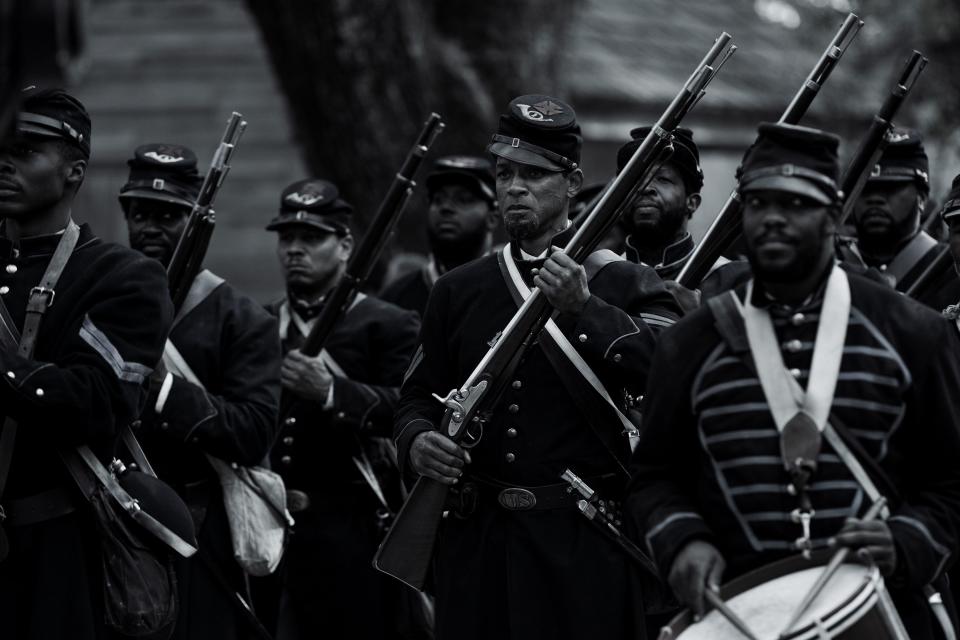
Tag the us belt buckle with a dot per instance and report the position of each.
(517, 499)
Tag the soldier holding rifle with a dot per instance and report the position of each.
(338, 477)
(230, 344)
(514, 558)
(758, 394)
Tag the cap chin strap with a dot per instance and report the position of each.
(55, 126)
(517, 143)
(791, 170)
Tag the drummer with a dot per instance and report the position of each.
(711, 493)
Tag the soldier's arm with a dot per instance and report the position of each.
(660, 508)
(926, 527)
(238, 423)
(111, 348)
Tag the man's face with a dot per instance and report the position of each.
(953, 225)
(33, 175)
(786, 234)
(309, 257)
(661, 209)
(155, 227)
(457, 214)
(531, 199)
(887, 210)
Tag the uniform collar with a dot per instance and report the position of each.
(38, 246)
(672, 254)
(762, 299)
(559, 240)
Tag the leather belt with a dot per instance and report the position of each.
(539, 498)
(44, 506)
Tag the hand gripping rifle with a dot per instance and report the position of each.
(192, 247)
(871, 147)
(406, 550)
(725, 228)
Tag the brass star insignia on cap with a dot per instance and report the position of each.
(548, 107)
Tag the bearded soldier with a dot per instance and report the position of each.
(341, 482)
(223, 399)
(515, 558)
(738, 465)
(460, 221)
(103, 312)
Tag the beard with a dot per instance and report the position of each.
(521, 225)
(656, 233)
(452, 252)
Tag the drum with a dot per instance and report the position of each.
(853, 605)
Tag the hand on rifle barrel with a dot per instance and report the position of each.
(307, 377)
(563, 282)
(436, 456)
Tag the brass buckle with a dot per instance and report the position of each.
(43, 291)
(517, 499)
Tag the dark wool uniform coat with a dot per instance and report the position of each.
(411, 290)
(708, 465)
(541, 573)
(98, 341)
(231, 345)
(331, 589)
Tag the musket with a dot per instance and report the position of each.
(363, 259)
(941, 266)
(871, 147)
(406, 550)
(725, 228)
(187, 259)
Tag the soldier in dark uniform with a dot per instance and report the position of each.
(97, 343)
(330, 451)
(516, 559)
(887, 218)
(710, 490)
(230, 344)
(460, 223)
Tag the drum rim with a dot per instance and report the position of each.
(683, 620)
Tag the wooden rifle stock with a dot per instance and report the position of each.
(725, 228)
(406, 550)
(368, 250)
(878, 135)
(187, 259)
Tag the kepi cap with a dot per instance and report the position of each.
(951, 208)
(903, 160)
(54, 113)
(472, 170)
(540, 131)
(313, 202)
(794, 159)
(686, 155)
(164, 172)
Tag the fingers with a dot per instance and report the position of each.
(435, 456)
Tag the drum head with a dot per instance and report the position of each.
(767, 598)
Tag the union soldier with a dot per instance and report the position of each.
(99, 339)
(227, 406)
(711, 490)
(331, 453)
(887, 218)
(516, 558)
(460, 222)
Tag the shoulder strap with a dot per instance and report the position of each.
(729, 322)
(904, 262)
(203, 285)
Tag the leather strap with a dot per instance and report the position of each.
(41, 298)
(908, 257)
(203, 285)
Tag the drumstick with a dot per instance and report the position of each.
(828, 571)
(717, 603)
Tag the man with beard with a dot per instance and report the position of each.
(515, 558)
(98, 314)
(887, 217)
(227, 408)
(332, 449)
(460, 221)
(795, 356)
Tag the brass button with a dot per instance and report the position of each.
(617, 357)
(136, 424)
(516, 384)
(513, 408)
(288, 440)
(510, 457)
(793, 346)
(11, 375)
(286, 460)
(164, 425)
(11, 268)
(511, 433)
(194, 440)
(582, 337)
(341, 415)
(796, 373)
(4, 290)
(290, 420)
(797, 319)
(39, 392)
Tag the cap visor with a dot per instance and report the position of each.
(523, 156)
(29, 129)
(790, 184)
(437, 178)
(151, 194)
(291, 221)
(891, 178)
